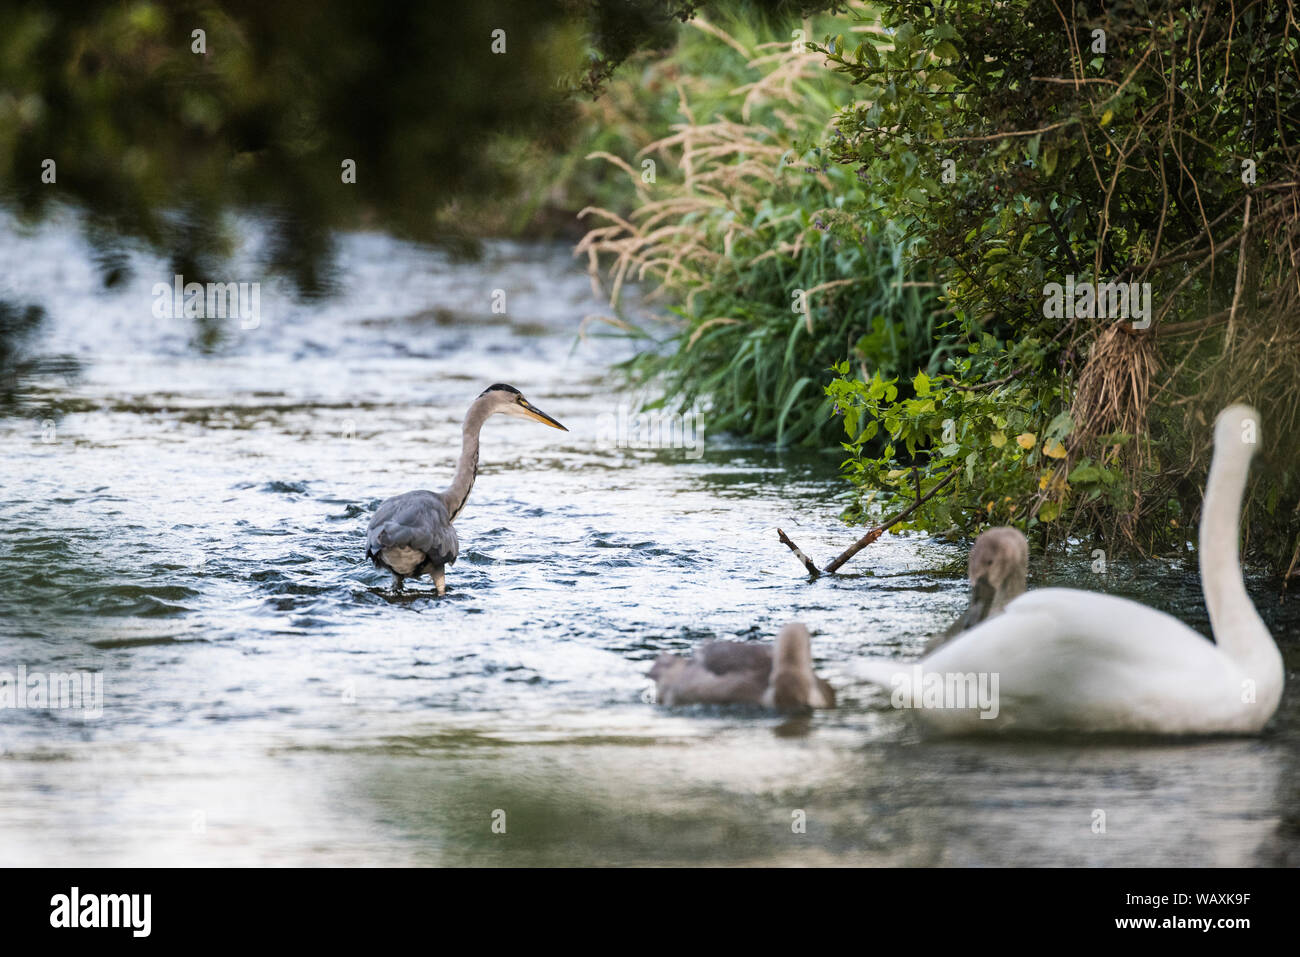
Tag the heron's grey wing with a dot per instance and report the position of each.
(727, 657)
(416, 520)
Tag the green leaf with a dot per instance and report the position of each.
(789, 403)
(1048, 164)
(1061, 426)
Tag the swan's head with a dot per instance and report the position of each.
(508, 400)
(998, 569)
(1236, 432)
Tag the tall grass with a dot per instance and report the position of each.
(741, 237)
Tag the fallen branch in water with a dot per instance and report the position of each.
(871, 536)
(798, 553)
(879, 530)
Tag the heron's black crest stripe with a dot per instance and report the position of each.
(500, 387)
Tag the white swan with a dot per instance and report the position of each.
(1058, 659)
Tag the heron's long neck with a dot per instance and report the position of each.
(1237, 627)
(457, 493)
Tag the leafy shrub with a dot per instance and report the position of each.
(1170, 157)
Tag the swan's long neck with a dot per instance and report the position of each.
(1238, 630)
(457, 493)
(792, 656)
(790, 685)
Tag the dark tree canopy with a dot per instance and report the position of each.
(155, 131)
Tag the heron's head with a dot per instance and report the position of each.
(999, 566)
(508, 400)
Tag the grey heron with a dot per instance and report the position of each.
(998, 570)
(780, 678)
(412, 534)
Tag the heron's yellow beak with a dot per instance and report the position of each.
(539, 415)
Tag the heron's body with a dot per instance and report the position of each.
(1068, 660)
(777, 677)
(412, 534)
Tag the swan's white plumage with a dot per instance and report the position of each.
(1081, 661)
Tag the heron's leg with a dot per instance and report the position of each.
(398, 582)
(440, 579)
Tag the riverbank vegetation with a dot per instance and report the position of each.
(737, 224)
(927, 172)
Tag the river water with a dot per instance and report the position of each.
(184, 511)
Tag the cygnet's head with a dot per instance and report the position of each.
(999, 566)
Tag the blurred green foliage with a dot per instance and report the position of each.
(156, 136)
(155, 141)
